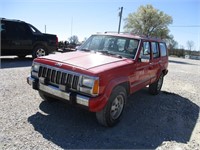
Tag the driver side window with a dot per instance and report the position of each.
(145, 52)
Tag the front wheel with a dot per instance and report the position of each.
(39, 51)
(112, 112)
(155, 87)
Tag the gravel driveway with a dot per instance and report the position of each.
(166, 121)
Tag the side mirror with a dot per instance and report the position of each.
(144, 58)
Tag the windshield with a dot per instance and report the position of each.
(125, 47)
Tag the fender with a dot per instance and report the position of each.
(98, 103)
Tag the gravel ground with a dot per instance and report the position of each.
(166, 121)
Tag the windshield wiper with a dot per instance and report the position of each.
(106, 52)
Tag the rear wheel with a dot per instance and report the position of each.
(39, 51)
(155, 87)
(112, 112)
(45, 97)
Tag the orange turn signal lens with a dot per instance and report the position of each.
(96, 87)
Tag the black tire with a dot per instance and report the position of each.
(39, 51)
(45, 97)
(155, 87)
(112, 112)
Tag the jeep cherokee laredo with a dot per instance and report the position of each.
(102, 73)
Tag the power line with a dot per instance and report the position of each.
(187, 26)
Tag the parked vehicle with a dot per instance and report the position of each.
(102, 73)
(21, 39)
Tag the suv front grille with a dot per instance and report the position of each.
(59, 77)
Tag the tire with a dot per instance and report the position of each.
(112, 112)
(45, 97)
(39, 51)
(155, 87)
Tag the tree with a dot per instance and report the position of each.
(148, 21)
(73, 39)
(190, 45)
(171, 43)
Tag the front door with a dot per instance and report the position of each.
(141, 76)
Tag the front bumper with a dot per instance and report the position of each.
(72, 97)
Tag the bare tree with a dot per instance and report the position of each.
(190, 45)
(73, 39)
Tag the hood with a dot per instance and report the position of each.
(85, 60)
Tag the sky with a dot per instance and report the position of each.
(85, 17)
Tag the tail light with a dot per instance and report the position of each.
(56, 41)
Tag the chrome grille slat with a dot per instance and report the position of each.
(56, 77)
(53, 75)
(44, 72)
(63, 79)
(75, 82)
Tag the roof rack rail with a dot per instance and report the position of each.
(117, 32)
(128, 33)
(131, 33)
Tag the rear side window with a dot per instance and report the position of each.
(154, 47)
(34, 29)
(163, 49)
(17, 30)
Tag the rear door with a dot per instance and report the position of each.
(155, 68)
(163, 55)
(19, 37)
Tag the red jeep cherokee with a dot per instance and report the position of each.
(102, 73)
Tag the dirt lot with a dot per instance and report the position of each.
(166, 121)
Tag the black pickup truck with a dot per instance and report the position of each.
(21, 39)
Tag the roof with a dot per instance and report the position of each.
(13, 20)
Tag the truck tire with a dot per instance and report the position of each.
(39, 51)
(45, 97)
(155, 87)
(112, 112)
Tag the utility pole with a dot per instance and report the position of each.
(71, 26)
(120, 18)
(45, 28)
